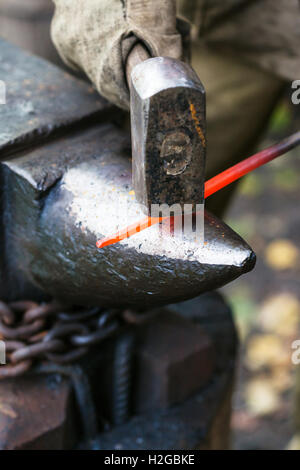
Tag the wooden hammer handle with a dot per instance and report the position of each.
(138, 54)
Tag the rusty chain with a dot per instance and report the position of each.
(51, 332)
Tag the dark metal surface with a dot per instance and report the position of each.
(201, 421)
(38, 411)
(37, 414)
(168, 131)
(174, 359)
(181, 427)
(83, 391)
(41, 100)
(122, 377)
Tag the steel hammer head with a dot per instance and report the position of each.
(168, 130)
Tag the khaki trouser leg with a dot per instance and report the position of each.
(240, 98)
(27, 25)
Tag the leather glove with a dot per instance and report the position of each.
(97, 36)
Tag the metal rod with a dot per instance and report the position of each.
(249, 164)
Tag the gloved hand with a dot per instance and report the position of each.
(96, 36)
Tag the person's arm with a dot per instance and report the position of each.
(97, 36)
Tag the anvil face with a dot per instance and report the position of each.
(62, 199)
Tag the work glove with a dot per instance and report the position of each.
(97, 36)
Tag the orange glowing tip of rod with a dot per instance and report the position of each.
(213, 185)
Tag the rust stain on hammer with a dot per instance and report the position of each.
(197, 124)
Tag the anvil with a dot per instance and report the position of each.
(64, 169)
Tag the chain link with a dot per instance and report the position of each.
(51, 332)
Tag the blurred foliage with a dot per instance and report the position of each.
(245, 225)
(251, 185)
(282, 254)
(265, 350)
(279, 314)
(244, 307)
(266, 303)
(281, 118)
(261, 398)
(285, 179)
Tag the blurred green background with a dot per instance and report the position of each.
(266, 302)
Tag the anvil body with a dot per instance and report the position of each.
(64, 169)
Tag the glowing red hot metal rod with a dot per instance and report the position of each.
(214, 184)
(249, 164)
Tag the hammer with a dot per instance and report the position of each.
(168, 131)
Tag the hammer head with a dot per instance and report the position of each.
(168, 131)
